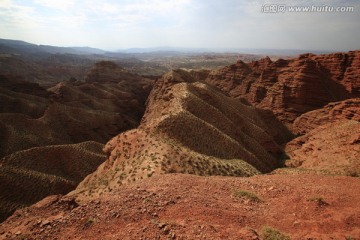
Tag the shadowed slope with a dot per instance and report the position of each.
(33, 120)
(19, 96)
(30, 175)
(70, 112)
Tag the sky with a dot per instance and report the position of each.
(122, 24)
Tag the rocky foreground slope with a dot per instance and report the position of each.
(183, 206)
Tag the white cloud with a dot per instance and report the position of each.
(196, 23)
(12, 13)
(56, 4)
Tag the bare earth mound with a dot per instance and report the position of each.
(190, 127)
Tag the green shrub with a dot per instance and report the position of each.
(246, 194)
(269, 233)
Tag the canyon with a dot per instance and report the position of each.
(233, 152)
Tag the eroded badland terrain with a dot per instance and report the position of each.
(259, 149)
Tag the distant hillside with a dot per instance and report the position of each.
(49, 64)
(44, 146)
(21, 47)
(71, 111)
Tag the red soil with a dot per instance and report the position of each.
(179, 206)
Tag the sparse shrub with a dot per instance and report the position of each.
(104, 181)
(246, 194)
(319, 200)
(269, 233)
(122, 176)
(352, 173)
(22, 237)
(88, 223)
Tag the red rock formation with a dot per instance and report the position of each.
(190, 127)
(292, 87)
(343, 68)
(200, 74)
(348, 109)
(331, 140)
(186, 110)
(334, 147)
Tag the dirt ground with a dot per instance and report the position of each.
(181, 206)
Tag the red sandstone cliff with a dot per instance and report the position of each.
(292, 87)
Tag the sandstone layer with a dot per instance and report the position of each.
(292, 87)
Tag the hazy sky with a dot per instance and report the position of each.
(119, 24)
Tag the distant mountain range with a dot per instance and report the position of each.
(44, 64)
(223, 50)
(17, 47)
